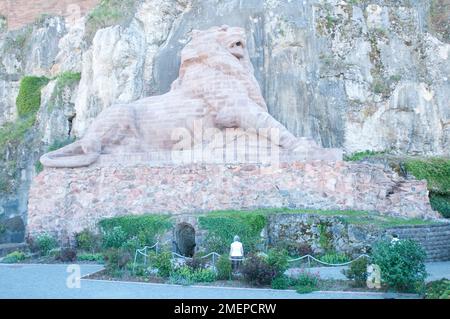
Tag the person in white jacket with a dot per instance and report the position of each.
(236, 253)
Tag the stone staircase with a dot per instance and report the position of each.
(435, 239)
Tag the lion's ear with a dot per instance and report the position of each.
(224, 27)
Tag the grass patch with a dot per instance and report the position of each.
(358, 156)
(355, 217)
(108, 13)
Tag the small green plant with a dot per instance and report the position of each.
(97, 257)
(402, 264)
(14, 257)
(307, 282)
(45, 243)
(334, 258)
(67, 254)
(163, 262)
(257, 271)
(280, 282)
(223, 266)
(357, 272)
(325, 237)
(439, 289)
(185, 275)
(278, 259)
(116, 259)
(87, 241)
(29, 99)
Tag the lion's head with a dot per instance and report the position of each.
(222, 48)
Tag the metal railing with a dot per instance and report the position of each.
(215, 256)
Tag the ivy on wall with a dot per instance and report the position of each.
(144, 229)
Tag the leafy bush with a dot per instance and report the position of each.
(185, 275)
(162, 262)
(29, 99)
(145, 228)
(278, 259)
(334, 258)
(223, 226)
(87, 241)
(114, 238)
(402, 264)
(196, 262)
(280, 282)
(116, 259)
(45, 243)
(90, 257)
(257, 271)
(306, 282)
(439, 289)
(223, 266)
(14, 257)
(67, 255)
(357, 272)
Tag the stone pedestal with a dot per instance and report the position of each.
(66, 201)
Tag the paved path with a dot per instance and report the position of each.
(49, 281)
(436, 271)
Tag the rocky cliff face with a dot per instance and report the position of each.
(355, 74)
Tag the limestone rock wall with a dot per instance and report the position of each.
(365, 74)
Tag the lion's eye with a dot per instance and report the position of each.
(238, 43)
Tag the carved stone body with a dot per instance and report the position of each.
(216, 87)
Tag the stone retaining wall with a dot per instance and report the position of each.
(65, 201)
(300, 232)
(435, 239)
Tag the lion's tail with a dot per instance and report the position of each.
(71, 156)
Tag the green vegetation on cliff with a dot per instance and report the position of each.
(437, 173)
(29, 99)
(358, 156)
(108, 13)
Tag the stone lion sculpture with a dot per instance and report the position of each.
(216, 86)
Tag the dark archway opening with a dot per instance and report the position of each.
(185, 239)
